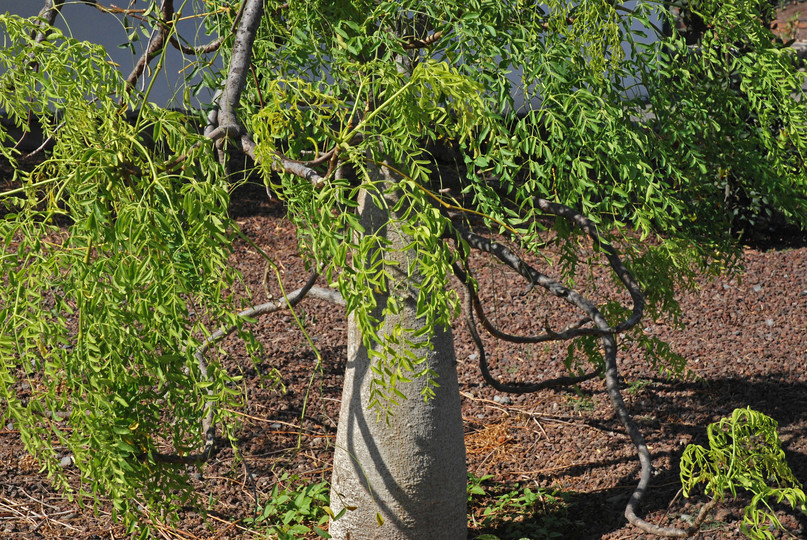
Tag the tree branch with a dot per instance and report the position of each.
(208, 426)
(213, 45)
(48, 13)
(155, 44)
(223, 120)
(198, 50)
(579, 220)
(483, 362)
(602, 329)
(533, 276)
(428, 41)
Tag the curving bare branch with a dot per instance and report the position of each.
(208, 426)
(579, 220)
(534, 277)
(601, 329)
(471, 298)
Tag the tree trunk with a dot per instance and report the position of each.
(412, 471)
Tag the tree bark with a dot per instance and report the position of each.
(412, 471)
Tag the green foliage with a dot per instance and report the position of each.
(517, 512)
(731, 114)
(657, 163)
(339, 77)
(294, 510)
(114, 263)
(745, 452)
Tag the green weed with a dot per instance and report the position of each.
(516, 512)
(296, 510)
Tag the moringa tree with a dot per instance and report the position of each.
(384, 127)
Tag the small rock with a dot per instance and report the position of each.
(497, 399)
(480, 415)
(67, 461)
(726, 286)
(769, 322)
(757, 288)
(473, 357)
(723, 515)
(275, 426)
(10, 426)
(506, 400)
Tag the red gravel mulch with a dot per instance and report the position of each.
(744, 341)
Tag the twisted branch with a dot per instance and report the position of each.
(602, 329)
(470, 298)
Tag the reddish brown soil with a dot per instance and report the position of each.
(744, 340)
(791, 21)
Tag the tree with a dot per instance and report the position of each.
(347, 108)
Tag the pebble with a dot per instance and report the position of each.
(480, 415)
(769, 322)
(504, 400)
(67, 461)
(275, 426)
(757, 288)
(473, 357)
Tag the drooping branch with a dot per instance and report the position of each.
(534, 277)
(602, 329)
(470, 297)
(579, 220)
(292, 299)
(208, 426)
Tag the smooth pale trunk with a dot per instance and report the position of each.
(412, 471)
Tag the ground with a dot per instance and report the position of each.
(744, 342)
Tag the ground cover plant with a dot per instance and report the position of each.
(393, 136)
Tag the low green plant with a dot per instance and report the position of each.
(518, 512)
(294, 510)
(634, 387)
(581, 403)
(745, 452)
(475, 485)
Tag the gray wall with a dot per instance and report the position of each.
(87, 23)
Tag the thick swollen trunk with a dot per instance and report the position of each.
(412, 471)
